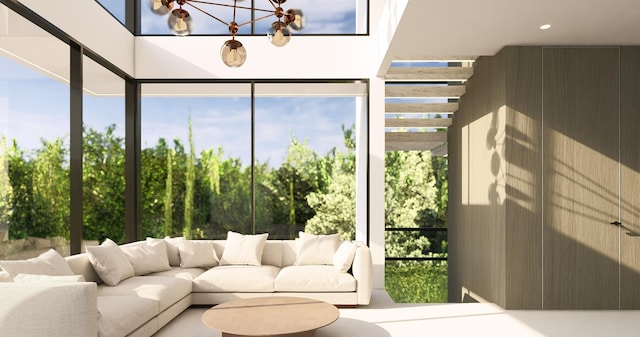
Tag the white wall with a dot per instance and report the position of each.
(314, 57)
(89, 24)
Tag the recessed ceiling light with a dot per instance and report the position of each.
(545, 26)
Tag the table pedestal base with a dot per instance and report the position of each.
(310, 333)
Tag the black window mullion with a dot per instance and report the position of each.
(75, 148)
(133, 142)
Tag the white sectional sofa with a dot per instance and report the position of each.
(140, 305)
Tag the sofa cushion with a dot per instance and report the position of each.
(47, 263)
(316, 249)
(32, 278)
(121, 315)
(314, 279)
(110, 262)
(343, 258)
(81, 265)
(147, 257)
(183, 273)
(243, 249)
(173, 252)
(247, 279)
(197, 254)
(165, 290)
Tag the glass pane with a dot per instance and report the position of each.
(331, 17)
(305, 160)
(103, 162)
(196, 160)
(416, 281)
(117, 8)
(203, 24)
(34, 140)
(327, 17)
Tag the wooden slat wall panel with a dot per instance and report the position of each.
(443, 108)
(428, 74)
(416, 137)
(421, 91)
(630, 178)
(413, 146)
(417, 122)
(581, 116)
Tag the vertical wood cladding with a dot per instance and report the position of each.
(630, 177)
(581, 182)
(530, 210)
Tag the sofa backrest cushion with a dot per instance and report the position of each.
(271, 254)
(47, 263)
(289, 252)
(80, 265)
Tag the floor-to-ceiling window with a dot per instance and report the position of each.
(196, 159)
(305, 158)
(271, 158)
(103, 147)
(34, 139)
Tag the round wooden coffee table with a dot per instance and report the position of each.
(270, 316)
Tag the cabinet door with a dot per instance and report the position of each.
(630, 178)
(581, 178)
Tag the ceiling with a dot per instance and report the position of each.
(439, 29)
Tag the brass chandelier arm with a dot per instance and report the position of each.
(273, 4)
(256, 20)
(226, 5)
(206, 13)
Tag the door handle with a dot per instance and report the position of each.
(617, 223)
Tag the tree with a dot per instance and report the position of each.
(51, 190)
(335, 208)
(409, 190)
(6, 191)
(190, 178)
(103, 185)
(168, 196)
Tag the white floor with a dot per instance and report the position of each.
(383, 318)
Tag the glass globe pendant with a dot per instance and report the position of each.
(180, 22)
(233, 53)
(295, 19)
(280, 34)
(161, 7)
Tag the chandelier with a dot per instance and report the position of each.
(232, 52)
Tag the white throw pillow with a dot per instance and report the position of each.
(197, 254)
(343, 258)
(110, 262)
(32, 278)
(148, 258)
(316, 249)
(173, 250)
(243, 249)
(47, 263)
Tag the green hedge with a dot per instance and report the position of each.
(416, 282)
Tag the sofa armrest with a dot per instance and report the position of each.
(48, 309)
(362, 270)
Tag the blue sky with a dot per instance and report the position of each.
(322, 17)
(34, 107)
